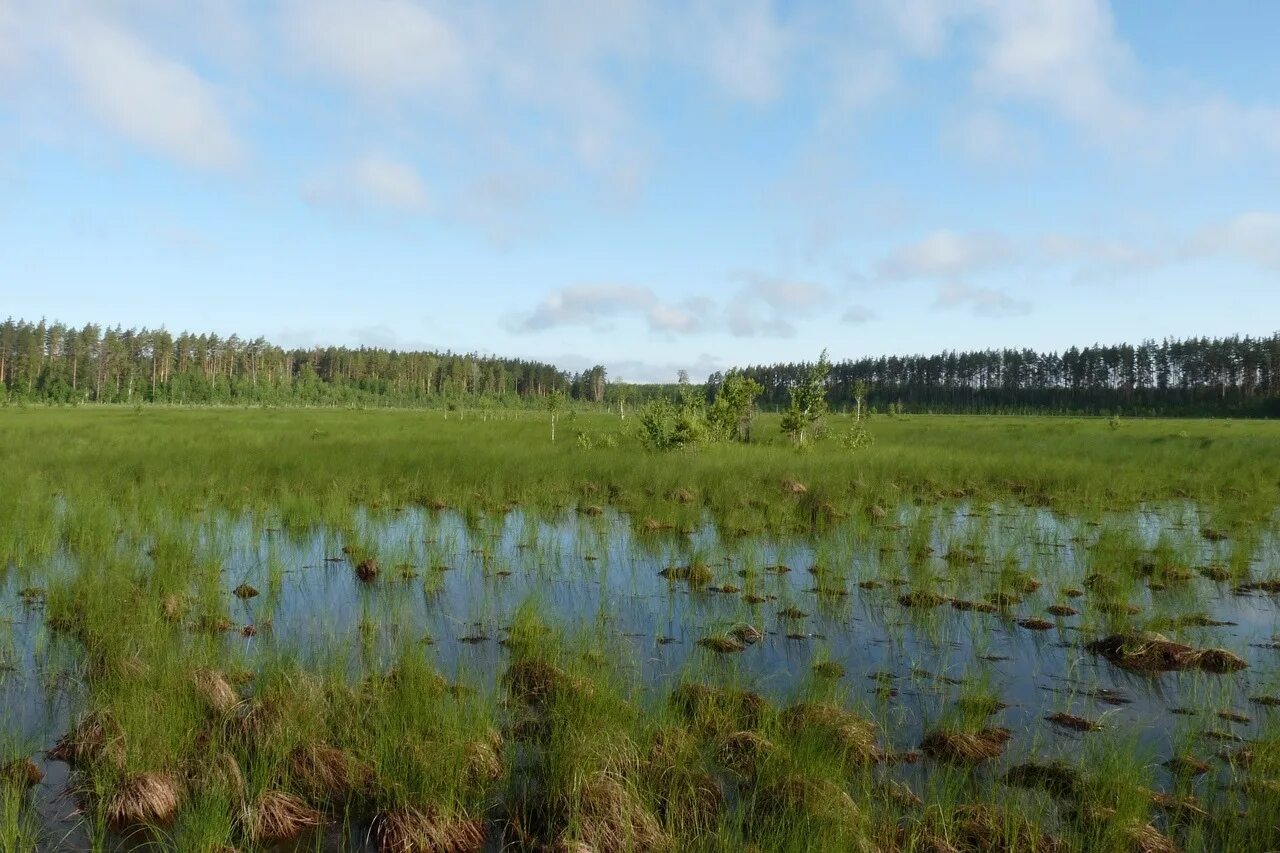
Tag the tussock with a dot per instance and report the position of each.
(829, 669)
(535, 682)
(145, 798)
(1056, 778)
(816, 801)
(722, 643)
(611, 816)
(695, 574)
(174, 607)
(743, 752)
(1145, 838)
(96, 737)
(922, 598)
(1187, 765)
(1155, 653)
(279, 816)
(965, 747)
(215, 691)
(484, 760)
(719, 709)
(1074, 722)
(326, 774)
(989, 829)
(367, 569)
(978, 606)
(21, 773)
(854, 735)
(220, 773)
(409, 830)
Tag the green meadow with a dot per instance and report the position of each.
(396, 630)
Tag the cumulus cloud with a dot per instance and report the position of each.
(945, 253)
(10, 59)
(1252, 237)
(377, 46)
(1068, 57)
(987, 138)
(762, 306)
(768, 306)
(373, 181)
(984, 301)
(746, 49)
(145, 96)
(1065, 54)
(951, 259)
(390, 182)
(595, 305)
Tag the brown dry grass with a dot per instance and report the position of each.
(410, 830)
(854, 736)
(1155, 653)
(326, 774)
(279, 816)
(215, 691)
(22, 773)
(612, 816)
(150, 799)
(965, 747)
(95, 737)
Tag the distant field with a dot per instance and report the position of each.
(340, 458)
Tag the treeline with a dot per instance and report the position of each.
(1234, 376)
(55, 363)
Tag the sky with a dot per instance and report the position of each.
(649, 185)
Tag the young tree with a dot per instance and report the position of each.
(555, 402)
(859, 395)
(731, 412)
(808, 404)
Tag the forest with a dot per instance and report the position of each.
(1232, 376)
(50, 362)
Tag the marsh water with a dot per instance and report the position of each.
(453, 583)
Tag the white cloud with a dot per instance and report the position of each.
(1252, 237)
(377, 46)
(389, 182)
(151, 99)
(988, 139)
(10, 56)
(1063, 52)
(785, 300)
(1069, 57)
(595, 304)
(746, 49)
(945, 254)
(983, 301)
(922, 26)
(373, 181)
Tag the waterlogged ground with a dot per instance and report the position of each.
(910, 618)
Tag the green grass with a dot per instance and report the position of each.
(124, 532)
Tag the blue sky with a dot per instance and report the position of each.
(650, 185)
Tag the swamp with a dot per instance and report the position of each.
(290, 629)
